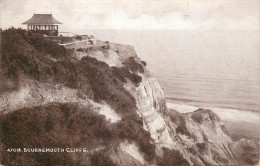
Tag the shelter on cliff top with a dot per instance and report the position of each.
(43, 23)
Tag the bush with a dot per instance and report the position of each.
(80, 49)
(78, 37)
(66, 125)
(132, 65)
(144, 63)
(24, 53)
(54, 125)
(173, 158)
(100, 159)
(31, 56)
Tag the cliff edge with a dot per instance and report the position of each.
(103, 107)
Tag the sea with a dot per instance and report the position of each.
(219, 70)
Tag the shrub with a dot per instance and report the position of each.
(144, 63)
(173, 158)
(78, 37)
(66, 125)
(80, 49)
(41, 127)
(100, 159)
(24, 53)
(132, 65)
(28, 55)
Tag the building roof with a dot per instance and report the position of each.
(42, 19)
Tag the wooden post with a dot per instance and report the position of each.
(57, 30)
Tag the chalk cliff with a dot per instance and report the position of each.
(102, 99)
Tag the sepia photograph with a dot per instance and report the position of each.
(130, 83)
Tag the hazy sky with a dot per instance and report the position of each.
(138, 14)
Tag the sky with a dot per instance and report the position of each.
(137, 14)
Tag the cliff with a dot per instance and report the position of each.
(102, 99)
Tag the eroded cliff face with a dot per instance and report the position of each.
(105, 100)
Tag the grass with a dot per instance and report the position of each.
(55, 125)
(26, 54)
(30, 55)
(64, 125)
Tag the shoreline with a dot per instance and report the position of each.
(200, 103)
(239, 123)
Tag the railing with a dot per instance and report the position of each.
(70, 33)
(81, 41)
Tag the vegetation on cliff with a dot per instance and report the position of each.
(28, 55)
(63, 125)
